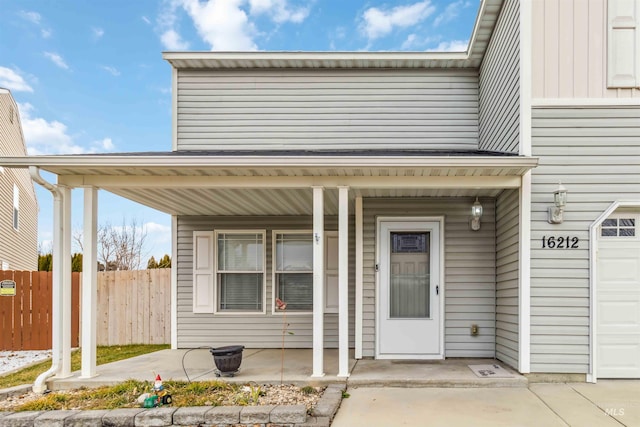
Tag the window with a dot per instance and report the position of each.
(618, 227)
(623, 44)
(240, 271)
(16, 207)
(293, 270)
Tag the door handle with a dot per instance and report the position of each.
(437, 290)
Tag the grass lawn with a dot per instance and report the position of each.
(104, 355)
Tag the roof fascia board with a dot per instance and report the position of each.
(310, 56)
(224, 182)
(149, 162)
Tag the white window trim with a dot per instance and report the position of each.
(218, 312)
(620, 215)
(273, 274)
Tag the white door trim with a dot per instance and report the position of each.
(440, 220)
(592, 376)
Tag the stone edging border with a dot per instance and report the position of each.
(284, 415)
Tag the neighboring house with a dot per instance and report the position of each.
(344, 185)
(19, 213)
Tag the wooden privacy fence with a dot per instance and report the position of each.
(134, 307)
(25, 318)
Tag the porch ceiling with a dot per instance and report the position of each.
(196, 184)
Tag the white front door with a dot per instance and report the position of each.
(409, 306)
(618, 299)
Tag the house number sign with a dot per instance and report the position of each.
(560, 242)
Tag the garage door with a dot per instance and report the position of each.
(618, 298)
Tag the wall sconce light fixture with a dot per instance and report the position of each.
(554, 213)
(476, 214)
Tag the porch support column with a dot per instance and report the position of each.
(524, 289)
(65, 370)
(89, 282)
(359, 276)
(318, 282)
(343, 282)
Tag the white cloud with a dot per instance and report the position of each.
(105, 143)
(416, 42)
(97, 32)
(451, 12)
(279, 10)
(146, 20)
(33, 17)
(222, 23)
(172, 40)
(52, 137)
(36, 19)
(11, 80)
(45, 137)
(452, 46)
(111, 70)
(377, 23)
(57, 59)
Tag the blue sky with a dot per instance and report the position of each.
(89, 77)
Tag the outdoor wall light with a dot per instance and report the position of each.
(559, 200)
(476, 214)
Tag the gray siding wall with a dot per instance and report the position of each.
(18, 248)
(507, 258)
(327, 109)
(500, 84)
(252, 331)
(595, 152)
(470, 271)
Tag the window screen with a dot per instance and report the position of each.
(240, 271)
(294, 270)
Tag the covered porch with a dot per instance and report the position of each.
(312, 185)
(262, 366)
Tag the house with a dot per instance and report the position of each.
(403, 205)
(19, 214)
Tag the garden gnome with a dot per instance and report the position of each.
(157, 386)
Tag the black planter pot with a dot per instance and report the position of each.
(227, 359)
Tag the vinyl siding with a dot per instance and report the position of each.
(569, 50)
(507, 257)
(595, 152)
(327, 109)
(251, 330)
(499, 104)
(18, 248)
(470, 278)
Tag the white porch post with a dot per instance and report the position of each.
(358, 215)
(343, 282)
(66, 282)
(524, 289)
(89, 282)
(318, 282)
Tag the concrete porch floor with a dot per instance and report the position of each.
(263, 366)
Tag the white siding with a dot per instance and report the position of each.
(250, 330)
(499, 104)
(595, 152)
(569, 50)
(507, 256)
(470, 264)
(327, 109)
(18, 248)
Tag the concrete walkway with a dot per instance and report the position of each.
(550, 405)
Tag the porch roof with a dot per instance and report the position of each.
(280, 182)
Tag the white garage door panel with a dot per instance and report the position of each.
(618, 308)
